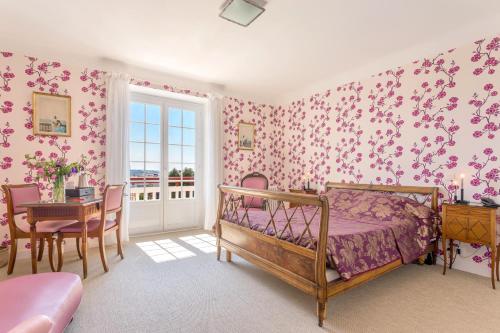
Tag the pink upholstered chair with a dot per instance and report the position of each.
(255, 180)
(20, 228)
(98, 228)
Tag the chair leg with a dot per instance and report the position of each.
(40, 249)
(102, 250)
(12, 257)
(50, 242)
(59, 252)
(78, 248)
(119, 243)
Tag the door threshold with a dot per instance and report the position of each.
(169, 232)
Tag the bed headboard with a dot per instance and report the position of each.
(425, 191)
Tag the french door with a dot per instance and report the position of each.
(165, 164)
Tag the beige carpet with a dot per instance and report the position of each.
(187, 290)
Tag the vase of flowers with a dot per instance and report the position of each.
(55, 171)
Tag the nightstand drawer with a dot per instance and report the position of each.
(456, 227)
(468, 224)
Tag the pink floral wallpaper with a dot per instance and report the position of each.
(21, 75)
(424, 123)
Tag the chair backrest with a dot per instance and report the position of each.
(258, 181)
(16, 195)
(112, 203)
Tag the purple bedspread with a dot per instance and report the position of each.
(366, 229)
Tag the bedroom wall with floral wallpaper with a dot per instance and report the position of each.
(423, 123)
(20, 75)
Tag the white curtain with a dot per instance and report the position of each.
(212, 158)
(117, 135)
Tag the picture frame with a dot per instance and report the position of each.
(246, 136)
(51, 114)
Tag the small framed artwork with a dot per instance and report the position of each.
(51, 114)
(246, 136)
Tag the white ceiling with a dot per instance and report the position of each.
(291, 46)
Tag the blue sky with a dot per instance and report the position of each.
(145, 137)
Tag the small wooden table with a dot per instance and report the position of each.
(47, 210)
(470, 224)
(305, 191)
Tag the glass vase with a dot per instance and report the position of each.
(58, 192)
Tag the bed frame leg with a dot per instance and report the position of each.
(218, 252)
(229, 256)
(321, 308)
(435, 252)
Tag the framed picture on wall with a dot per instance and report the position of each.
(51, 114)
(246, 136)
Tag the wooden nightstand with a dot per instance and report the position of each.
(309, 191)
(471, 224)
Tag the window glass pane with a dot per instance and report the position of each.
(136, 180)
(137, 112)
(188, 154)
(153, 114)
(152, 181)
(175, 135)
(152, 170)
(153, 133)
(189, 119)
(174, 117)
(188, 174)
(137, 132)
(188, 170)
(174, 180)
(136, 151)
(153, 152)
(174, 172)
(174, 154)
(136, 169)
(188, 136)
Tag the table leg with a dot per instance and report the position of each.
(445, 256)
(493, 262)
(452, 252)
(84, 249)
(33, 247)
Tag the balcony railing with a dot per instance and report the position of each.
(148, 188)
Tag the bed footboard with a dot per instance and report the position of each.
(301, 267)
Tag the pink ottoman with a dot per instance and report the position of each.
(54, 295)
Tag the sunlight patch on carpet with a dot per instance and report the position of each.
(164, 250)
(204, 242)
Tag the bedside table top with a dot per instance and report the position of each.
(308, 191)
(474, 205)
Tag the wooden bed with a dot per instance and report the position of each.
(301, 267)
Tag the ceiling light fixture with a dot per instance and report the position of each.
(242, 12)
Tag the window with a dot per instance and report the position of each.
(145, 152)
(181, 152)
